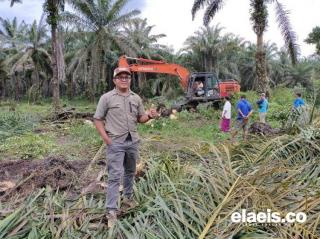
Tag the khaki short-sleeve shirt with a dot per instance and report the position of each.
(120, 114)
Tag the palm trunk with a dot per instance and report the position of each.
(109, 78)
(55, 79)
(94, 72)
(69, 86)
(17, 86)
(141, 80)
(3, 88)
(261, 83)
(52, 6)
(38, 83)
(103, 77)
(47, 90)
(60, 58)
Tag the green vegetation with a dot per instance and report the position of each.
(190, 178)
(12, 123)
(28, 146)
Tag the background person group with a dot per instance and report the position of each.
(245, 110)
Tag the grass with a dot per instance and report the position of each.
(12, 123)
(28, 146)
(175, 130)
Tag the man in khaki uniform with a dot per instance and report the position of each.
(116, 118)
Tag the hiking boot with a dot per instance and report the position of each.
(112, 218)
(128, 204)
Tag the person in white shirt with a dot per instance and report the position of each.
(226, 115)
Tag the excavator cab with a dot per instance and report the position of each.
(203, 87)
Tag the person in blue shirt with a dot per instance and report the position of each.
(298, 102)
(244, 110)
(263, 106)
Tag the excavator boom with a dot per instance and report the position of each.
(160, 67)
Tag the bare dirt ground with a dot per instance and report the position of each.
(19, 178)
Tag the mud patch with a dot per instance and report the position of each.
(27, 176)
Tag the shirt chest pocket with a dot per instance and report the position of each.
(114, 108)
(133, 107)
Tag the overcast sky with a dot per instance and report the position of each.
(173, 17)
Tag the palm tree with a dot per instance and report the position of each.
(208, 50)
(139, 33)
(300, 74)
(77, 59)
(13, 38)
(206, 43)
(259, 17)
(11, 33)
(3, 75)
(314, 38)
(52, 9)
(102, 21)
(32, 55)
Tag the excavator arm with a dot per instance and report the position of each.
(152, 66)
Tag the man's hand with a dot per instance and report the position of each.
(107, 141)
(150, 114)
(101, 130)
(153, 113)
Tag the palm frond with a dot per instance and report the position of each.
(114, 12)
(78, 21)
(15, 1)
(86, 10)
(289, 35)
(196, 7)
(211, 11)
(123, 19)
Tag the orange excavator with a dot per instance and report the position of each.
(200, 87)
